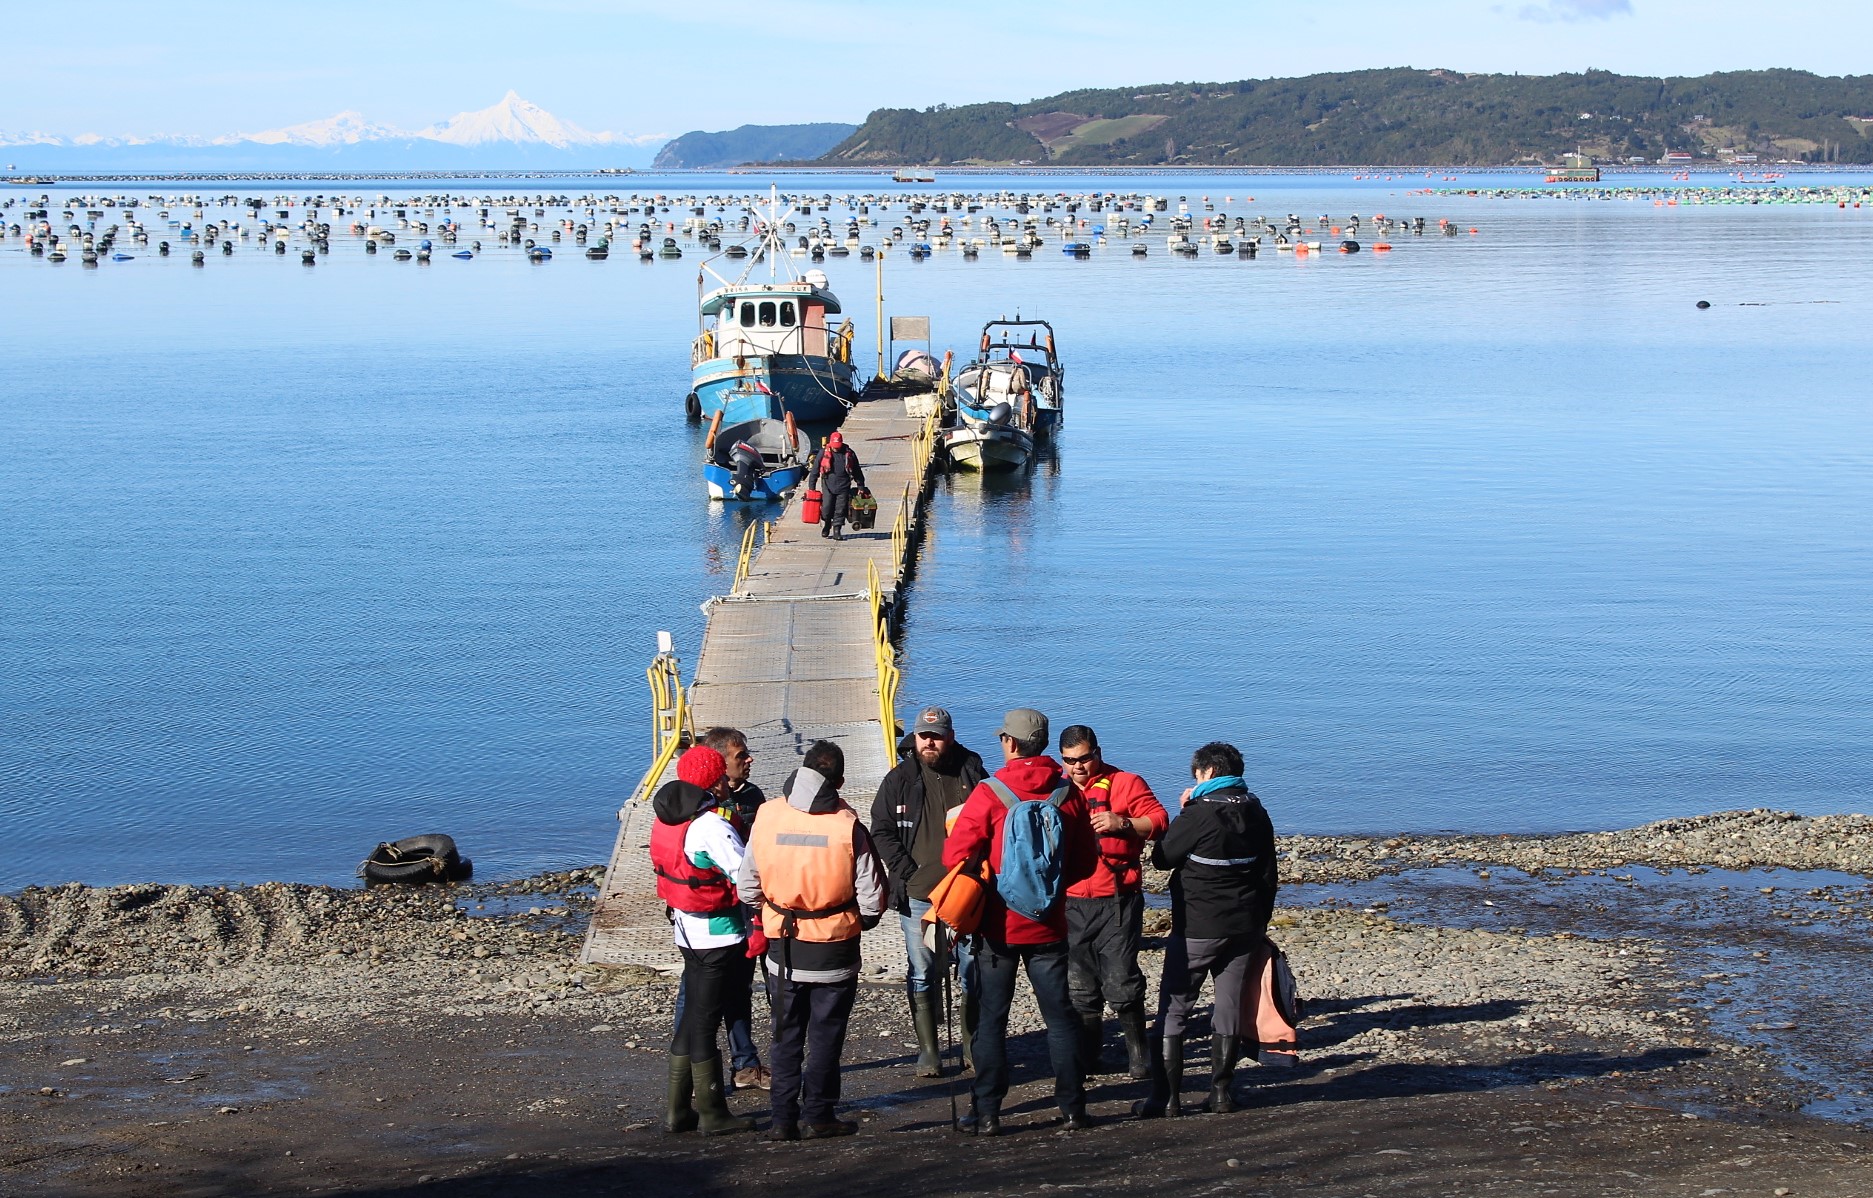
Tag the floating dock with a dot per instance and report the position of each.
(799, 650)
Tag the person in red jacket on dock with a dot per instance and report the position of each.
(1008, 940)
(1105, 912)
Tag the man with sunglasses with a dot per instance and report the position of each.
(1105, 912)
(910, 817)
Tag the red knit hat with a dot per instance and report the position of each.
(701, 766)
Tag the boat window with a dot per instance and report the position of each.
(786, 314)
(747, 316)
(767, 314)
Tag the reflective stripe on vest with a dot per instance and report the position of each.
(808, 867)
(1221, 862)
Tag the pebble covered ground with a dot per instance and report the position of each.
(102, 985)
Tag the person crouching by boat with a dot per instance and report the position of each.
(696, 852)
(1221, 853)
(813, 873)
(837, 465)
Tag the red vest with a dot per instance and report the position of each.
(682, 885)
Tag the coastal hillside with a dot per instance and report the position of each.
(1402, 115)
(751, 143)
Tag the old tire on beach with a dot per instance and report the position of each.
(414, 861)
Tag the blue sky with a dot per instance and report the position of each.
(116, 67)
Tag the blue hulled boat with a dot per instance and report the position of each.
(1025, 373)
(771, 338)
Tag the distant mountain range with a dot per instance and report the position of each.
(751, 143)
(1402, 116)
(513, 134)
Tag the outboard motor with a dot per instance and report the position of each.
(1001, 414)
(746, 460)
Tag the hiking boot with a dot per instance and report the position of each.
(923, 1013)
(1167, 1080)
(1223, 1051)
(828, 1130)
(1077, 1121)
(1092, 1036)
(825, 530)
(712, 1114)
(754, 1077)
(838, 534)
(678, 1114)
(1137, 1051)
(980, 1122)
(782, 1132)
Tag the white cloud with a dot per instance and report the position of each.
(1575, 10)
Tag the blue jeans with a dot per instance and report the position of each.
(995, 978)
(922, 970)
(737, 1013)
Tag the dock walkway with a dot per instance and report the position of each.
(797, 652)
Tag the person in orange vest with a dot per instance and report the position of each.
(813, 873)
(695, 852)
(1105, 912)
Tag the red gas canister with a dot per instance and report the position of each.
(809, 507)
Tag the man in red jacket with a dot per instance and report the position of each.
(1007, 940)
(1105, 912)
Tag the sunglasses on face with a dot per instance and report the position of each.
(1080, 760)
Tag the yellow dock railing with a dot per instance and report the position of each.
(669, 718)
(884, 656)
(742, 563)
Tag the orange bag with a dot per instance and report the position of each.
(958, 900)
(1271, 1007)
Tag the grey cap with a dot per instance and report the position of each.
(934, 719)
(1025, 725)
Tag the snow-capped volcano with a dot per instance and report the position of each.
(514, 120)
(348, 128)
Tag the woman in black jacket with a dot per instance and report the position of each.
(1221, 853)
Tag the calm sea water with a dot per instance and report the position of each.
(1498, 532)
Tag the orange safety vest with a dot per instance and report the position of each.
(808, 869)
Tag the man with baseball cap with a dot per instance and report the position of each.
(838, 466)
(1008, 940)
(910, 818)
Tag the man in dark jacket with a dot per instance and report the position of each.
(910, 818)
(1221, 851)
(837, 466)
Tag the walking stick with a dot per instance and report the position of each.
(949, 1021)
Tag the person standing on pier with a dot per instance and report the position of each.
(837, 466)
(696, 853)
(1221, 853)
(813, 873)
(1032, 868)
(910, 818)
(1105, 911)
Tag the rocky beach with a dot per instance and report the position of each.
(174, 1040)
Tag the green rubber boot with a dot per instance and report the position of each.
(678, 1114)
(923, 1013)
(711, 1104)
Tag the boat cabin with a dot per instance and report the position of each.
(762, 319)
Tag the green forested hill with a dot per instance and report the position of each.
(1391, 116)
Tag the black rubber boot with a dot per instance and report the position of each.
(1092, 1037)
(923, 1014)
(971, 1015)
(711, 1104)
(1137, 1053)
(678, 1114)
(1223, 1050)
(1167, 1080)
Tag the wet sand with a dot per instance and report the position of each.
(185, 1041)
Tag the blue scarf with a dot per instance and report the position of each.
(1216, 784)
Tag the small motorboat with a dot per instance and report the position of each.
(756, 461)
(995, 441)
(1017, 364)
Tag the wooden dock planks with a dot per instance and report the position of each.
(788, 658)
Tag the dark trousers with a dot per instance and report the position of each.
(737, 1013)
(834, 509)
(810, 1020)
(1187, 962)
(996, 968)
(1102, 952)
(708, 975)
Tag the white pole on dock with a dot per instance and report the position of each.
(880, 261)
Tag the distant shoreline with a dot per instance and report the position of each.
(1724, 169)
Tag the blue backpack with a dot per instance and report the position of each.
(1031, 881)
